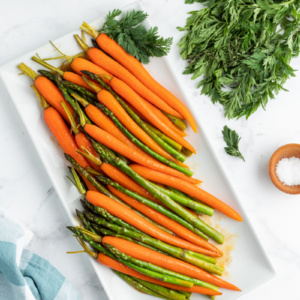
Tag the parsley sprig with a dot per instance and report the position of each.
(232, 140)
(129, 33)
(242, 50)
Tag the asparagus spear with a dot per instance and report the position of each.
(83, 91)
(153, 205)
(106, 215)
(47, 74)
(137, 119)
(178, 122)
(96, 245)
(150, 270)
(137, 285)
(86, 223)
(186, 215)
(164, 137)
(185, 255)
(169, 293)
(187, 201)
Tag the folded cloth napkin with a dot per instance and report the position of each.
(23, 274)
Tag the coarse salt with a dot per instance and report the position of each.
(288, 171)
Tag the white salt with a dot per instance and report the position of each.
(288, 171)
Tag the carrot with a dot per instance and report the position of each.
(187, 188)
(53, 95)
(118, 266)
(130, 184)
(154, 115)
(113, 105)
(104, 61)
(105, 123)
(131, 217)
(167, 262)
(126, 181)
(125, 91)
(137, 69)
(82, 140)
(77, 79)
(110, 141)
(63, 135)
(167, 222)
(81, 64)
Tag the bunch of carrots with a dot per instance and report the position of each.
(123, 135)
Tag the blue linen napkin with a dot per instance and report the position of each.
(25, 275)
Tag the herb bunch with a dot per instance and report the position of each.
(134, 37)
(242, 50)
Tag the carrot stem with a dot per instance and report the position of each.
(28, 71)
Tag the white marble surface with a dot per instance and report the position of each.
(26, 191)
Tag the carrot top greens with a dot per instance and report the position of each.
(136, 40)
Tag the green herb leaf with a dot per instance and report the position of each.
(241, 50)
(232, 139)
(134, 37)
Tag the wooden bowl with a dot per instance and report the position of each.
(286, 151)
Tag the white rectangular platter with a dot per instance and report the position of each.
(249, 266)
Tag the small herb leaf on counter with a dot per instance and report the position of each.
(232, 140)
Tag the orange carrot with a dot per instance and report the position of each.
(118, 266)
(165, 261)
(82, 140)
(130, 184)
(104, 61)
(77, 79)
(131, 217)
(154, 115)
(113, 105)
(110, 141)
(137, 69)
(187, 188)
(81, 64)
(53, 95)
(105, 123)
(161, 219)
(124, 180)
(63, 135)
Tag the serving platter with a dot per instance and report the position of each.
(247, 266)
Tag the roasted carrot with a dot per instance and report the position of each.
(166, 222)
(130, 184)
(113, 105)
(81, 64)
(104, 61)
(110, 141)
(125, 91)
(118, 266)
(187, 188)
(154, 115)
(137, 69)
(131, 217)
(126, 181)
(82, 140)
(69, 76)
(48, 90)
(167, 262)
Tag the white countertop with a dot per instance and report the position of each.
(26, 191)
